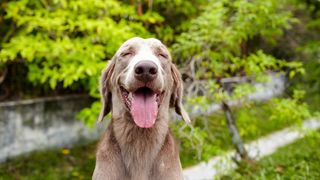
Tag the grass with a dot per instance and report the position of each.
(74, 163)
(313, 102)
(78, 162)
(298, 161)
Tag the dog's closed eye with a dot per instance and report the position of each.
(163, 55)
(126, 54)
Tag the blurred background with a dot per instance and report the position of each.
(250, 69)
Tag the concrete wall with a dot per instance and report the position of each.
(42, 123)
(275, 86)
(50, 122)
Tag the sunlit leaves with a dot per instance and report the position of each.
(286, 109)
(67, 41)
(218, 39)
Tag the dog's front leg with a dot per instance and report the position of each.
(167, 165)
(108, 170)
(109, 164)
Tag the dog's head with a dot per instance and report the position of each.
(141, 79)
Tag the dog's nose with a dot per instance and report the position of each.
(145, 71)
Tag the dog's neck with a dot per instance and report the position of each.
(131, 138)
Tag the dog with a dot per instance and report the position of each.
(139, 85)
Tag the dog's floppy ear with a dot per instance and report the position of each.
(105, 90)
(176, 96)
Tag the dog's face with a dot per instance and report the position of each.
(143, 78)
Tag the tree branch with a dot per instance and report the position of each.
(234, 132)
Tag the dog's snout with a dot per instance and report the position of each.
(145, 71)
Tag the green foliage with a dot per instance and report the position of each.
(221, 44)
(89, 114)
(311, 84)
(308, 52)
(215, 37)
(67, 41)
(175, 14)
(209, 135)
(289, 109)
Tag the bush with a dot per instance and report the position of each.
(208, 135)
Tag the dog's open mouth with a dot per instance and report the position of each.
(143, 105)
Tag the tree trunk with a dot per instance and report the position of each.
(139, 8)
(234, 132)
(3, 73)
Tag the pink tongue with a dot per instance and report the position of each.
(144, 109)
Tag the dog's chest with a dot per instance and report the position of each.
(139, 147)
(141, 152)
